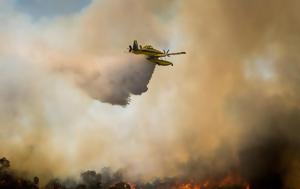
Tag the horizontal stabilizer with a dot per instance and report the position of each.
(177, 53)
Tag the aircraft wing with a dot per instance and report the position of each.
(168, 54)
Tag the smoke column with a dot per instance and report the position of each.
(232, 101)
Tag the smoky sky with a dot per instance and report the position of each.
(233, 98)
(41, 9)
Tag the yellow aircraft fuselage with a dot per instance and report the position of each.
(152, 54)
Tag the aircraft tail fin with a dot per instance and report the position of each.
(135, 45)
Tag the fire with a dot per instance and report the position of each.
(132, 185)
(189, 186)
(92, 179)
(229, 181)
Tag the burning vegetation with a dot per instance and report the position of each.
(106, 179)
(233, 102)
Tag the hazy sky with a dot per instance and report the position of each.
(66, 75)
(50, 8)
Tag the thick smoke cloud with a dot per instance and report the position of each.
(52, 69)
(231, 103)
(249, 66)
(104, 75)
(273, 140)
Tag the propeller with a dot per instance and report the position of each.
(166, 52)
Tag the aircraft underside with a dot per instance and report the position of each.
(160, 62)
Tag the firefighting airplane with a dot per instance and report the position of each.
(153, 55)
